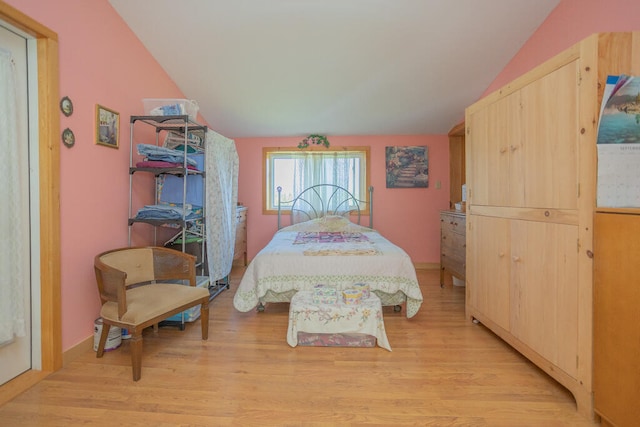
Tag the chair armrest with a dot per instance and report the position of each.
(111, 285)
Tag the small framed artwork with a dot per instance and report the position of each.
(66, 106)
(68, 138)
(107, 127)
(407, 167)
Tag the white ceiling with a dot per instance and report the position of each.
(262, 68)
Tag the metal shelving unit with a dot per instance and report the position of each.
(192, 136)
(177, 132)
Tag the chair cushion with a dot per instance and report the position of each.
(150, 301)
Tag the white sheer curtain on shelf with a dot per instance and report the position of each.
(13, 218)
(221, 181)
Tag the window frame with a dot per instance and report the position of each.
(266, 175)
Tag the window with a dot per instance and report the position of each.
(294, 170)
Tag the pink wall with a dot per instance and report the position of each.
(101, 61)
(407, 217)
(570, 22)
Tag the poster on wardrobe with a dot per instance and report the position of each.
(619, 144)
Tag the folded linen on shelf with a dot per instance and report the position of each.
(161, 164)
(165, 211)
(154, 152)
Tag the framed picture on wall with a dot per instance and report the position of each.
(407, 167)
(107, 127)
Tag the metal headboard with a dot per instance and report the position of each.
(321, 200)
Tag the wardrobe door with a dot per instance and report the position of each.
(495, 134)
(488, 268)
(547, 158)
(544, 290)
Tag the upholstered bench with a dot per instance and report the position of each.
(337, 324)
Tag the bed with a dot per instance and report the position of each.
(323, 245)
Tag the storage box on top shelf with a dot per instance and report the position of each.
(170, 107)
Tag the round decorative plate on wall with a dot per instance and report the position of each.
(66, 106)
(68, 138)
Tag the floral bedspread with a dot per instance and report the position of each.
(306, 237)
(364, 318)
(281, 269)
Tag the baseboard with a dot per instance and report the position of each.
(77, 350)
(24, 381)
(426, 265)
(20, 384)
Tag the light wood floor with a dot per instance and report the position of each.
(444, 370)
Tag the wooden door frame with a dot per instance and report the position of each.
(49, 183)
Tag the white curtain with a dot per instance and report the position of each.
(221, 181)
(312, 168)
(12, 216)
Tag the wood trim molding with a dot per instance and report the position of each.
(426, 265)
(19, 384)
(457, 130)
(18, 19)
(83, 347)
(50, 262)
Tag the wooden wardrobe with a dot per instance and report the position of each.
(531, 194)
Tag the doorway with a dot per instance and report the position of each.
(18, 209)
(44, 157)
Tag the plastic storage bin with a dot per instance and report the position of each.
(170, 107)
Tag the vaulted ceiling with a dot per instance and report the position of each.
(261, 68)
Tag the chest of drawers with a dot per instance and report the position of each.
(452, 244)
(240, 249)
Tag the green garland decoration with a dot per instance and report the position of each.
(314, 139)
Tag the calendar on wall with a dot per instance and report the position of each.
(619, 144)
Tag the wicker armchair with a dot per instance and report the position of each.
(139, 287)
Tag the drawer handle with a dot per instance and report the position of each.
(516, 258)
